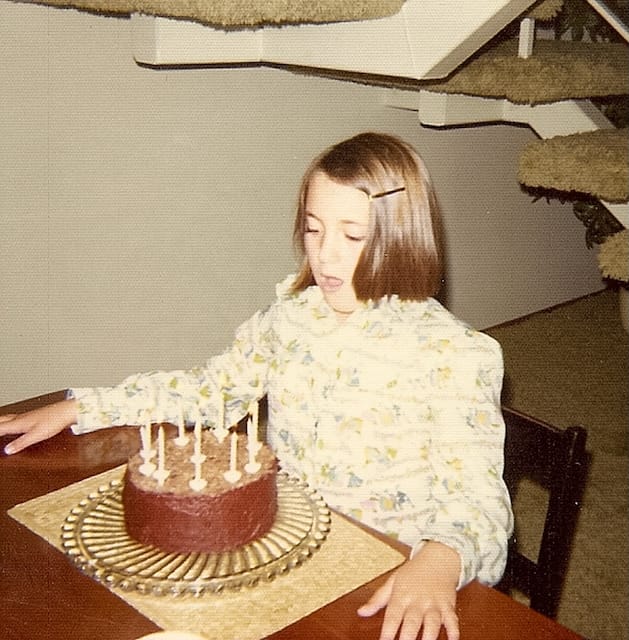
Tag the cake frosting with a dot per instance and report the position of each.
(220, 517)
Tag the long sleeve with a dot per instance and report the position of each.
(470, 507)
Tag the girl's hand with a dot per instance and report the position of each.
(421, 594)
(37, 425)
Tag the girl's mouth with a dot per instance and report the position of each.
(330, 283)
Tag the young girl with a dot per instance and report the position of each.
(378, 397)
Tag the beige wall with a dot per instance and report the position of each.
(145, 213)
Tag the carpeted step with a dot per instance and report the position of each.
(594, 162)
(244, 12)
(557, 70)
(613, 257)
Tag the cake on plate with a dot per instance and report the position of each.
(217, 514)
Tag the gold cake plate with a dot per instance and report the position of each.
(94, 537)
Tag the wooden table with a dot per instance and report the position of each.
(44, 596)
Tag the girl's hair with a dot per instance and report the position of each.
(402, 254)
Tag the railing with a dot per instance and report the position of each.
(610, 17)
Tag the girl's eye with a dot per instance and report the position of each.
(311, 230)
(355, 238)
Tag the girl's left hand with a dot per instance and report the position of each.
(421, 594)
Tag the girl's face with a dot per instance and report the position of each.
(337, 223)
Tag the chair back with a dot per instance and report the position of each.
(555, 459)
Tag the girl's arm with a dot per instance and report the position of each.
(231, 380)
(38, 424)
(472, 508)
(234, 378)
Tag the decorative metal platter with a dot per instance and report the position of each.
(94, 537)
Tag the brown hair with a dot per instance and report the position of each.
(402, 254)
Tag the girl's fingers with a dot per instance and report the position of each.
(18, 444)
(378, 600)
(11, 424)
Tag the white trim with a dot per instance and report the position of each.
(527, 38)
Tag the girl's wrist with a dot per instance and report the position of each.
(69, 411)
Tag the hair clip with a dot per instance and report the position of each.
(385, 193)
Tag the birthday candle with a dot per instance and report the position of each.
(160, 447)
(253, 443)
(147, 453)
(220, 419)
(197, 438)
(180, 418)
(144, 437)
(197, 483)
(252, 465)
(161, 474)
(254, 416)
(233, 475)
(197, 456)
(181, 438)
(233, 451)
(220, 433)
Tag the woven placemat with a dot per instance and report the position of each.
(336, 568)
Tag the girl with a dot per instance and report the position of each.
(378, 396)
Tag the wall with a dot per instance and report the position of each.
(145, 213)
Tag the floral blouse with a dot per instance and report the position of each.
(392, 415)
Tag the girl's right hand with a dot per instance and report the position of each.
(37, 425)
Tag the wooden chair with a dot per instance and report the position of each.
(555, 459)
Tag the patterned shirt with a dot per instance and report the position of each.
(392, 415)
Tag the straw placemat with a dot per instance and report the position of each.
(336, 568)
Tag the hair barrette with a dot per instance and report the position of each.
(385, 193)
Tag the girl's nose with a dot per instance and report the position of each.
(328, 249)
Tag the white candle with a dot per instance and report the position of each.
(233, 475)
(161, 474)
(181, 440)
(220, 433)
(220, 418)
(197, 483)
(254, 409)
(252, 464)
(253, 441)
(233, 451)
(160, 447)
(197, 456)
(147, 453)
(144, 438)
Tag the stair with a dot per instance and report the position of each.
(579, 150)
(595, 162)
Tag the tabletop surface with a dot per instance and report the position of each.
(44, 595)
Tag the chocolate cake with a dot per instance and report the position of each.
(219, 517)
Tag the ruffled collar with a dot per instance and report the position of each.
(311, 305)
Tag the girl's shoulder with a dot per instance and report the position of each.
(430, 322)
